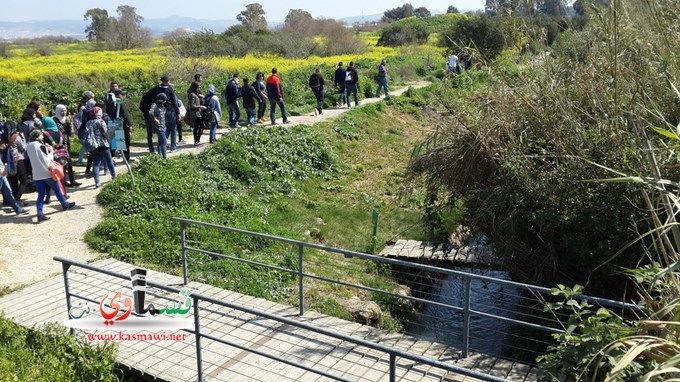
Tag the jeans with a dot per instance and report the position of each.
(319, 99)
(171, 128)
(234, 114)
(382, 83)
(162, 143)
(251, 113)
(341, 88)
(149, 134)
(213, 132)
(261, 108)
(351, 89)
(198, 127)
(98, 156)
(7, 194)
(42, 185)
(272, 111)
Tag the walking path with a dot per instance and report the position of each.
(28, 248)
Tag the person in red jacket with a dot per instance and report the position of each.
(275, 94)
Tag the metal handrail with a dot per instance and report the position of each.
(466, 309)
(198, 297)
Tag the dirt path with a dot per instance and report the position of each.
(26, 255)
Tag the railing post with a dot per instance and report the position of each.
(197, 334)
(64, 269)
(301, 271)
(183, 231)
(393, 367)
(466, 318)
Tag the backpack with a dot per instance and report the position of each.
(86, 136)
(348, 76)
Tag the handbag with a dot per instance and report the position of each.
(56, 170)
(61, 155)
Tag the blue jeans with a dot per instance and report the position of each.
(7, 194)
(213, 132)
(99, 156)
(149, 134)
(272, 110)
(351, 89)
(162, 143)
(319, 99)
(341, 88)
(251, 112)
(171, 128)
(234, 114)
(42, 185)
(382, 83)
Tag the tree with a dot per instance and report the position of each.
(298, 20)
(552, 7)
(452, 9)
(483, 33)
(253, 17)
(501, 7)
(99, 24)
(422, 12)
(398, 13)
(126, 32)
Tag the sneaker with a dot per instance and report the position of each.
(237, 126)
(273, 123)
(176, 150)
(320, 111)
(357, 104)
(316, 112)
(69, 206)
(22, 211)
(42, 218)
(97, 185)
(181, 142)
(286, 121)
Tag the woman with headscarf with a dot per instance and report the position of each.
(102, 153)
(213, 112)
(196, 108)
(54, 138)
(41, 155)
(66, 128)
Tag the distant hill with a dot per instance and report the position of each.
(76, 28)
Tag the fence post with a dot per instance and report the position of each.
(393, 367)
(183, 231)
(301, 263)
(466, 318)
(197, 334)
(374, 238)
(67, 288)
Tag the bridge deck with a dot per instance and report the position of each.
(168, 360)
(465, 254)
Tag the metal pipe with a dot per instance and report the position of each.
(197, 335)
(301, 276)
(67, 289)
(185, 268)
(466, 318)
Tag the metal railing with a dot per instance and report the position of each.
(528, 299)
(198, 299)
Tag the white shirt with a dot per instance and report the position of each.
(453, 61)
(39, 161)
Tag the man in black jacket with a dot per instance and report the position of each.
(340, 83)
(316, 83)
(171, 111)
(351, 81)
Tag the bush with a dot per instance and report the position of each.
(484, 33)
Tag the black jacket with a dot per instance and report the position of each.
(354, 78)
(249, 96)
(340, 76)
(316, 82)
(147, 100)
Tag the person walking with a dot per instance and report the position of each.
(171, 112)
(351, 81)
(195, 112)
(66, 128)
(382, 79)
(41, 157)
(316, 83)
(275, 94)
(250, 98)
(213, 112)
(97, 128)
(339, 82)
(261, 91)
(158, 115)
(232, 93)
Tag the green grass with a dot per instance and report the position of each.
(49, 355)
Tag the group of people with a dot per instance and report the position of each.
(36, 152)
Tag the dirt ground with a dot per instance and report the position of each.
(28, 248)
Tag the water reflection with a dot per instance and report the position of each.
(444, 325)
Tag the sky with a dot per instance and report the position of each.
(275, 10)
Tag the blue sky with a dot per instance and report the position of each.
(13, 10)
